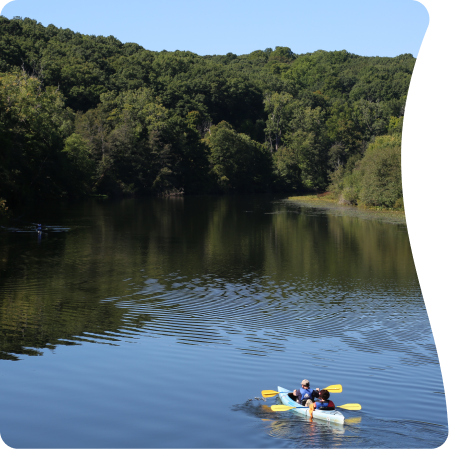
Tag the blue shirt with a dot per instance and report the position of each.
(308, 394)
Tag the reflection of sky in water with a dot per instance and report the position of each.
(211, 310)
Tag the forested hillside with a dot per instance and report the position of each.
(84, 115)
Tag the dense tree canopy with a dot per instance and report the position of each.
(88, 114)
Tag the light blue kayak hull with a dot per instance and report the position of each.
(327, 415)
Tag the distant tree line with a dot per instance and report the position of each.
(84, 115)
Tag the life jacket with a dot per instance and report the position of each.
(306, 394)
(329, 405)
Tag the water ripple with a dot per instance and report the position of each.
(206, 310)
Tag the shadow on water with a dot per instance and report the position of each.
(357, 431)
(296, 429)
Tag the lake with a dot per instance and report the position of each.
(157, 322)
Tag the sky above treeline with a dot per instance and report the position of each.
(363, 27)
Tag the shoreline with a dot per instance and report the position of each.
(329, 204)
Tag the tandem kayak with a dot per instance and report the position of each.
(327, 415)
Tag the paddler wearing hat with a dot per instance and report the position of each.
(305, 395)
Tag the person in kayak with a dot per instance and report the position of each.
(324, 403)
(305, 395)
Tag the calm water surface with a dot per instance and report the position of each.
(157, 322)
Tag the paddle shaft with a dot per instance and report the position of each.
(283, 408)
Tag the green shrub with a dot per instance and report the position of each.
(399, 204)
(375, 179)
(381, 183)
(349, 195)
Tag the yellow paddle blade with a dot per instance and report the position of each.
(351, 406)
(269, 393)
(355, 420)
(334, 388)
(281, 408)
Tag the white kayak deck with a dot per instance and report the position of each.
(327, 415)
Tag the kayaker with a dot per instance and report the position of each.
(305, 395)
(324, 403)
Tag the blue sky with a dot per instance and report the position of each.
(363, 27)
